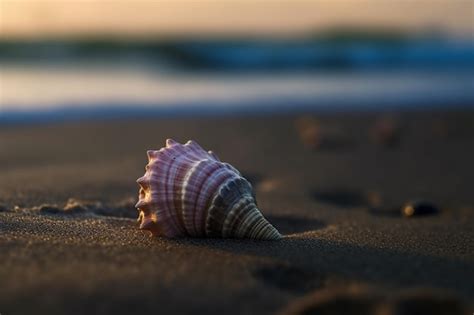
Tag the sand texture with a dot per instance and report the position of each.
(333, 184)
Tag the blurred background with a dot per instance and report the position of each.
(70, 59)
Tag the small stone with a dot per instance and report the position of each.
(419, 208)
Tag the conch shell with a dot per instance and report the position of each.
(187, 191)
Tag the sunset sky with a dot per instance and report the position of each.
(50, 18)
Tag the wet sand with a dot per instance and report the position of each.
(337, 199)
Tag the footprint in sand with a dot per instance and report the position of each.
(372, 302)
(341, 197)
(289, 278)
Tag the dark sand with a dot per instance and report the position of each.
(346, 250)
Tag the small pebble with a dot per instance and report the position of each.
(419, 208)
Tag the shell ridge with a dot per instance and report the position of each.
(197, 198)
(231, 215)
(232, 168)
(257, 226)
(225, 197)
(170, 161)
(181, 171)
(220, 179)
(178, 168)
(188, 215)
(240, 215)
(196, 150)
(195, 179)
(244, 226)
(167, 199)
(213, 155)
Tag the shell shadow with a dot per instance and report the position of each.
(390, 212)
(341, 197)
(288, 224)
(318, 258)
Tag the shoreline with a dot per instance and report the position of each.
(107, 112)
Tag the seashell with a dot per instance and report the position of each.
(187, 191)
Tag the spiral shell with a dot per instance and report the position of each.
(187, 191)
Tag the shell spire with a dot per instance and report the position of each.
(187, 191)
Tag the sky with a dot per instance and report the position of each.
(132, 18)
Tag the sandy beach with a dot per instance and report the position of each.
(337, 201)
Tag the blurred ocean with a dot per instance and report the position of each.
(55, 80)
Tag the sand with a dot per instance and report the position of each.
(346, 247)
